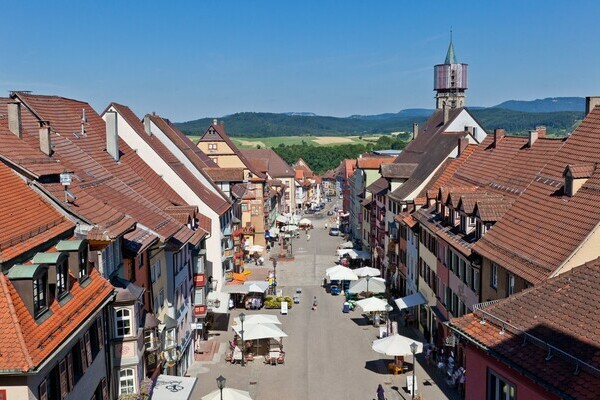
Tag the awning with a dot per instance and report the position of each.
(235, 289)
(347, 245)
(410, 301)
(168, 387)
(223, 302)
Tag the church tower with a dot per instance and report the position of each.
(450, 81)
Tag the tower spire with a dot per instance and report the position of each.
(450, 56)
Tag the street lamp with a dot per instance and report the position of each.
(242, 318)
(413, 350)
(221, 384)
(275, 277)
(388, 309)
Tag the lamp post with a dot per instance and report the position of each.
(413, 350)
(242, 318)
(275, 277)
(388, 309)
(221, 384)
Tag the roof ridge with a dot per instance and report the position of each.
(17, 325)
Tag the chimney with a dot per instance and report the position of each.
(498, 134)
(45, 143)
(462, 145)
(112, 137)
(590, 103)
(446, 111)
(415, 130)
(147, 125)
(14, 118)
(541, 130)
(533, 136)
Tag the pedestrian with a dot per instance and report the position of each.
(380, 392)
(461, 383)
(307, 237)
(326, 225)
(314, 306)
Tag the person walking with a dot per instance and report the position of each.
(380, 392)
(307, 237)
(314, 306)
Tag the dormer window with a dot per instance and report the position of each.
(575, 177)
(40, 296)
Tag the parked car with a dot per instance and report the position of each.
(335, 209)
(334, 289)
(334, 232)
(310, 211)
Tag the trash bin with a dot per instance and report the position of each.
(346, 307)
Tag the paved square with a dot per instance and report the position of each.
(328, 353)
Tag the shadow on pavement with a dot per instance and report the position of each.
(361, 321)
(378, 366)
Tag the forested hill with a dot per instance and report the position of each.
(249, 124)
(269, 124)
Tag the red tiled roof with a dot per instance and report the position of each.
(275, 165)
(526, 240)
(27, 220)
(303, 165)
(445, 172)
(25, 343)
(372, 162)
(102, 186)
(217, 202)
(561, 312)
(225, 174)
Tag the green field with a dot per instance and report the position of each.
(290, 140)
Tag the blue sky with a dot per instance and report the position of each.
(186, 60)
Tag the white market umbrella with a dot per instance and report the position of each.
(305, 221)
(228, 394)
(289, 228)
(282, 219)
(375, 285)
(347, 245)
(254, 288)
(343, 274)
(372, 304)
(254, 319)
(256, 248)
(333, 269)
(396, 345)
(367, 271)
(260, 331)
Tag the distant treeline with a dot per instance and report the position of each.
(321, 158)
(269, 124)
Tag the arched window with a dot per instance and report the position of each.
(123, 322)
(126, 381)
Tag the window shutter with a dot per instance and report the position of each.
(84, 364)
(70, 371)
(88, 348)
(62, 372)
(104, 389)
(43, 390)
(100, 327)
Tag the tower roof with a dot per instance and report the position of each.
(450, 56)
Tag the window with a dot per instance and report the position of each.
(499, 388)
(212, 146)
(475, 286)
(126, 381)
(155, 271)
(150, 340)
(462, 270)
(62, 275)
(64, 385)
(511, 284)
(161, 298)
(494, 276)
(43, 390)
(39, 294)
(83, 263)
(123, 322)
